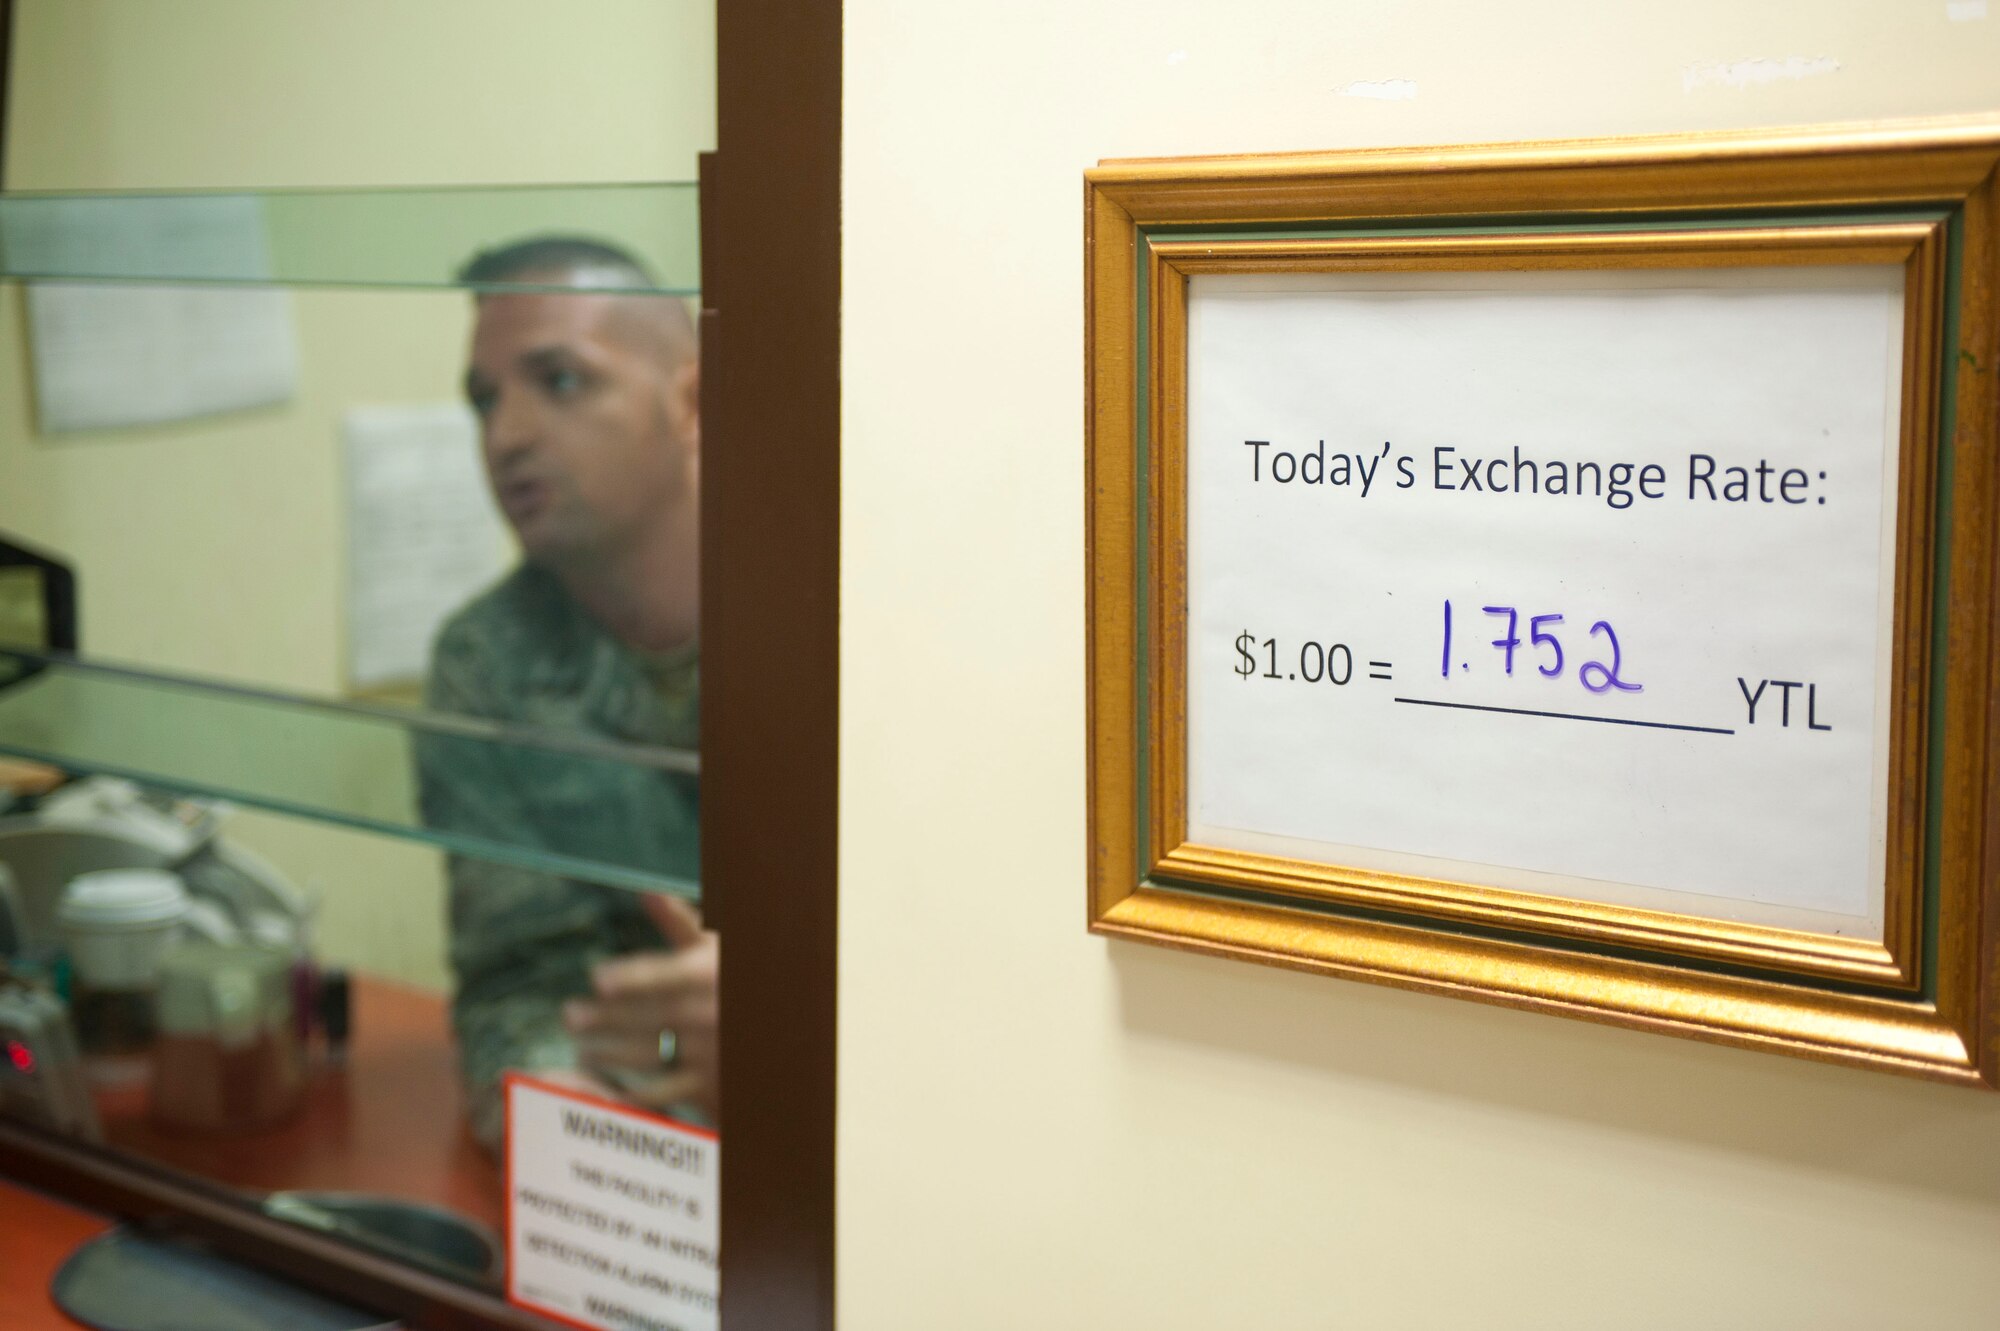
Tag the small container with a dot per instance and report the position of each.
(13, 924)
(229, 1056)
(117, 924)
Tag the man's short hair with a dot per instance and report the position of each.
(570, 261)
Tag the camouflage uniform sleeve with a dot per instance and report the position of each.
(522, 941)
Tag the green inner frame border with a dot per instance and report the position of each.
(1946, 388)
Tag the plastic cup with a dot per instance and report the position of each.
(117, 924)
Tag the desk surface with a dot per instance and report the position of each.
(37, 1235)
(391, 1121)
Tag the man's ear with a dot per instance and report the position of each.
(684, 390)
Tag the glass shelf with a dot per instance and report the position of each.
(375, 238)
(341, 763)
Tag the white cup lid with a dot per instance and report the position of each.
(123, 898)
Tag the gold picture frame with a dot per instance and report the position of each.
(1923, 196)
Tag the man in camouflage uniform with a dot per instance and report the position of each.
(590, 437)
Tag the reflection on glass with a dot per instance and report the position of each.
(327, 1014)
(301, 1045)
(311, 1041)
(377, 238)
(353, 764)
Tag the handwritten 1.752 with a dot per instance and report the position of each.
(1545, 644)
(1333, 663)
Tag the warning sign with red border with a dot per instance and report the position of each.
(611, 1213)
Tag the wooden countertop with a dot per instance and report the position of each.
(391, 1121)
(37, 1235)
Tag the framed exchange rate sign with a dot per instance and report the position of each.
(1562, 575)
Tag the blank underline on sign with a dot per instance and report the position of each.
(1565, 716)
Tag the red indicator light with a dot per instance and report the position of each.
(20, 1056)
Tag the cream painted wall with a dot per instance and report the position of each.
(217, 546)
(1040, 1128)
(136, 94)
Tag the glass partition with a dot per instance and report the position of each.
(207, 740)
(262, 575)
(410, 576)
(361, 237)
(349, 672)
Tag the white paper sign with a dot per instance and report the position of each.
(422, 535)
(108, 355)
(1575, 583)
(612, 1216)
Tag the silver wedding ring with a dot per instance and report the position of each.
(670, 1047)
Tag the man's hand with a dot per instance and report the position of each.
(637, 997)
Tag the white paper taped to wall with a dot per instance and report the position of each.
(108, 355)
(422, 534)
(1571, 583)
